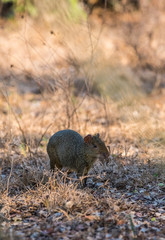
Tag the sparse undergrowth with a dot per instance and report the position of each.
(124, 197)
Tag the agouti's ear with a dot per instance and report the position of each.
(88, 138)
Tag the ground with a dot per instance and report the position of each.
(51, 80)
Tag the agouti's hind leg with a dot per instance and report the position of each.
(58, 165)
(54, 163)
(54, 160)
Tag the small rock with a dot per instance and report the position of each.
(69, 204)
(99, 184)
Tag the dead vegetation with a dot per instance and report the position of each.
(124, 197)
(46, 87)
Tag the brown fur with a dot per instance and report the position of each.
(68, 148)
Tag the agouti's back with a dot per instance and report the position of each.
(68, 148)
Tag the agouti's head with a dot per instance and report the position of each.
(96, 145)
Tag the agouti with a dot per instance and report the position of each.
(68, 148)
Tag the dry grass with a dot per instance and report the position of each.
(115, 190)
(124, 197)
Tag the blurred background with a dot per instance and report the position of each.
(90, 65)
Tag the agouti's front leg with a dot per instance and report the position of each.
(83, 173)
(86, 170)
(80, 173)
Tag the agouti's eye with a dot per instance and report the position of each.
(94, 146)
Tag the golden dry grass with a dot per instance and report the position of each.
(118, 191)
